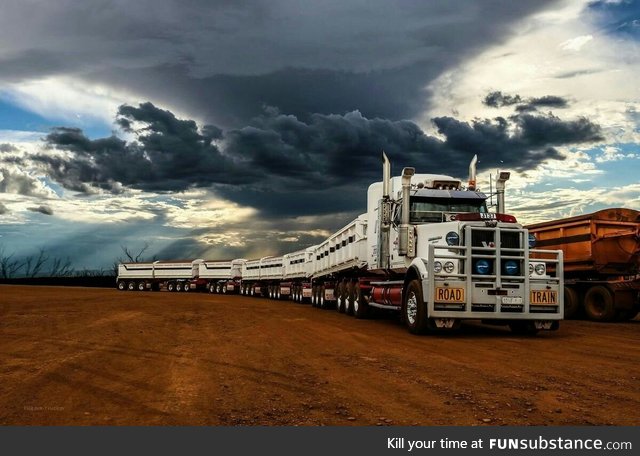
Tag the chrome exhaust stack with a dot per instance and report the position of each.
(384, 211)
(472, 173)
(406, 246)
(503, 177)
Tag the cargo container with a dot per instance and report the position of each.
(601, 262)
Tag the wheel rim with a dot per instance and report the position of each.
(131, 286)
(121, 286)
(356, 305)
(412, 308)
(211, 289)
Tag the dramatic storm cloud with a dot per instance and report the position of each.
(283, 165)
(224, 60)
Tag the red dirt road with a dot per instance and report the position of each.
(96, 356)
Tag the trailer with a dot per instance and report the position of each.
(297, 273)
(177, 275)
(601, 262)
(220, 276)
(428, 249)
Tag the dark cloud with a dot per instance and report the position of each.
(548, 101)
(222, 61)
(43, 209)
(284, 165)
(498, 99)
(169, 155)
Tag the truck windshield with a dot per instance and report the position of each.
(425, 210)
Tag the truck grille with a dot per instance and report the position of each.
(510, 239)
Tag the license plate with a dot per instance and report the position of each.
(544, 297)
(511, 300)
(446, 294)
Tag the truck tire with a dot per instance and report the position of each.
(571, 302)
(340, 297)
(122, 285)
(141, 286)
(348, 306)
(186, 287)
(178, 286)
(314, 295)
(414, 309)
(131, 286)
(523, 328)
(212, 288)
(360, 306)
(599, 304)
(171, 286)
(321, 302)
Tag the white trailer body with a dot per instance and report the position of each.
(152, 275)
(221, 276)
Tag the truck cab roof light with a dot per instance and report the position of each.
(483, 216)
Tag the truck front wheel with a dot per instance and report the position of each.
(414, 310)
(599, 304)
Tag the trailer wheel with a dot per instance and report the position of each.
(340, 304)
(121, 285)
(599, 304)
(178, 286)
(321, 302)
(186, 286)
(171, 286)
(571, 302)
(523, 328)
(141, 286)
(131, 286)
(348, 303)
(314, 295)
(360, 306)
(414, 310)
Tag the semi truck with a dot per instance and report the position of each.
(601, 253)
(429, 249)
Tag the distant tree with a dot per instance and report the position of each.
(131, 256)
(9, 265)
(33, 264)
(61, 267)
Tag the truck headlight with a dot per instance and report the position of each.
(482, 267)
(540, 268)
(511, 267)
(448, 267)
(530, 269)
(452, 238)
(437, 267)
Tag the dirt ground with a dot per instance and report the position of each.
(97, 356)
